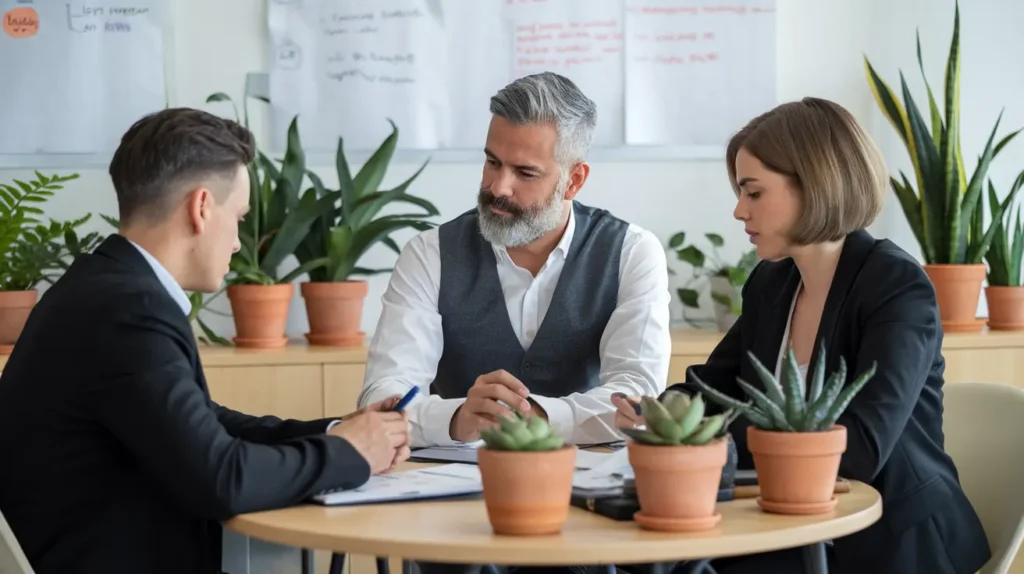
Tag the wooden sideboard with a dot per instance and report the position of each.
(305, 382)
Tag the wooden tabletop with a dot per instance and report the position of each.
(458, 532)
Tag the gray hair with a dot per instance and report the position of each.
(550, 98)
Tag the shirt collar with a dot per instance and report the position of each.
(167, 280)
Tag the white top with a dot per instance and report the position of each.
(784, 347)
(635, 348)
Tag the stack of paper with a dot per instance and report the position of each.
(467, 454)
(436, 482)
(604, 479)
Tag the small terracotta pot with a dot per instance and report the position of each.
(1005, 308)
(677, 486)
(335, 312)
(797, 471)
(261, 314)
(527, 492)
(15, 307)
(958, 290)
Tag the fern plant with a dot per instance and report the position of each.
(33, 252)
(791, 405)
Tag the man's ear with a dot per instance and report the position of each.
(199, 206)
(577, 177)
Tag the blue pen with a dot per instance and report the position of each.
(406, 399)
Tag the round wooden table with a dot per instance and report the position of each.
(458, 531)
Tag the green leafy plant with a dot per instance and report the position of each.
(522, 433)
(677, 419)
(944, 212)
(790, 406)
(341, 236)
(1006, 252)
(707, 266)
(32, 252)
(278, 219)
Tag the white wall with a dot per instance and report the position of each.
(820, 49)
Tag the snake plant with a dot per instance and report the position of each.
(945, 210)
(1006, 253)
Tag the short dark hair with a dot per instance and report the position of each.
(165, 152)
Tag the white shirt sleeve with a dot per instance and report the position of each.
(407, 344)
(636, 346)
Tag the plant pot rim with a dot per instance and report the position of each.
(333, 282)
(1001, 287)
(632, 443)
(835, 429)
(937, 265)
(503, 452)
(239, 286)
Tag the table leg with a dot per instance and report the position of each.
(815, 560)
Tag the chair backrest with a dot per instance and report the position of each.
(12, 559)
(984, 428)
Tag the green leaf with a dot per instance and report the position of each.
(846, 396)
(715, 239)
(772, 387)
(692, 255)
(775, 414)
(689, 298)
(372, 173)
(676, 240)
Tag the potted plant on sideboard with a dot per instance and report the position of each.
(513, 456)
(944, 212)
(1004, 294)
(726, 280)
(277, 222)
(794, 439)
(677, 462)
(340, 237)
(32, 252)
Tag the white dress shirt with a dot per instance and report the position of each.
(635, 347)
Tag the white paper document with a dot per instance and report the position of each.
(609, 474)
(435, 482)
(467, 454)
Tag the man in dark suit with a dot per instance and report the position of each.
(114, 457)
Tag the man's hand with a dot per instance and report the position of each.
(482, 409)
(379, 406)
(382, 438)
(626, 411)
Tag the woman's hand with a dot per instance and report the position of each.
(627, 413)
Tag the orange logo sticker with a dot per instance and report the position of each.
(21, 22)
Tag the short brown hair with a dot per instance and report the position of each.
(164, 152)
(828, 157)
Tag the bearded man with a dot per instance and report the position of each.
(531, 301)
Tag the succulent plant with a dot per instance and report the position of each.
(522, 433)
(676, 419)
(791, 406)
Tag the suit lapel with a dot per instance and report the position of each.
(856, 249)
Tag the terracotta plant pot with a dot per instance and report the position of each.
(677, 486)
(15, 307)
(335, 312)
(797, 471)
(1005, 308)
(261, 314)
(527, 492)
(958, 290)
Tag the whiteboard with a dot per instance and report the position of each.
(76, 74)
(665, 74)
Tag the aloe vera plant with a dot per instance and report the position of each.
(522, 433)
(1006, 253)
(945, 211)
(791, 405)
(676, 419)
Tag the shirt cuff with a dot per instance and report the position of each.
(331, 425)
(560, 415)
(432, 426)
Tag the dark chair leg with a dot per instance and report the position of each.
(815, 560)
(382, 566)
(337, 563)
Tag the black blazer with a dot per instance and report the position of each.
(881, 307)
(114, 457)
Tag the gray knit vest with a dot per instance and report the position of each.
(564, 357)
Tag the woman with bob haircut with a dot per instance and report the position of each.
(808, 181)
